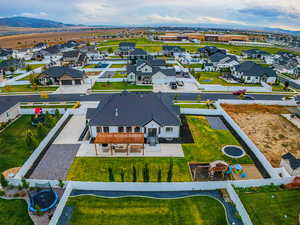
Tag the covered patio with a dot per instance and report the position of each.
(115, 143)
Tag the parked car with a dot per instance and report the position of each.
(239, 92)
(249, 97)
(173, 85)
(180, 83)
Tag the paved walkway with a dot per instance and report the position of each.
(161, 150)
(72, 131)
(56, 162)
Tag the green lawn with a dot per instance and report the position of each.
(209, 142)
(198, 210)
(14, 212)
(279, 87)
(138, 41)
(272, 208)
(193, 106)
(119, 75)
(118, 86)
(90, 66)
(117, 65)
(34, 66)
(26, 88)
(197, 65)
(28, 77)
(13, 148)
(96, 169)
(213, 78)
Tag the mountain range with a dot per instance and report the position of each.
(43, 23)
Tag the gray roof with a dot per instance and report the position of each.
(173, 48)
(138, 51)
(155, 107)
(249, 68)
(127, 45)
(10, 63)
(5, 52)
(294, 162)
(53, 49)
(59, 71)
(71, 54)
(210, 50)
(255, 52)
(152, 62)
(217, 57)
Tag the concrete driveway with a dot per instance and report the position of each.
(189, 87)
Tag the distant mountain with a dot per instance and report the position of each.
(30, 22)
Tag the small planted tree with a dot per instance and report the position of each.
(28, 68)
(30, 139)
(134, 176)
(111, 177)
(57, 114)
(146, 175)
(159, 175)
(286, 85)
(170, 171)
(3, 181)
(122, 175)
(25, 184)
(41, 130)
(61, 183)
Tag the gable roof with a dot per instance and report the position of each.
(173, 48)
(59, 71)
(138, 51)
(210, 50)
(249, 68)
(53, 49)
(71, 54)
(5, 52)
(217, 57)
(255, 52)
(10, 63)
(294, 162)
(156, 107)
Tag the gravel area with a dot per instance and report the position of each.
(56, 162)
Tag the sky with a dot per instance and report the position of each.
(283, 14)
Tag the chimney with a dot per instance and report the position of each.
(116, 112)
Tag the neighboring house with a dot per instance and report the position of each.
(47, 53)
(62, 75)
(151, 71)
(137, 54)
(91, 52)
(291, 164)
(125, 48)
(23, 53)
(254, 54)
(10, 66)
(74, 58)
(285, 64)
(171, 50)
(68, 46)
(150, 114)
(5, 53)
(208, 67)
(210, 50)
(250, 72)
(221, 60)
(39, 46)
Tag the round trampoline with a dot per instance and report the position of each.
(43, 200)
(233, 151)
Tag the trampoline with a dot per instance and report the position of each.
(233, 151)
(42, 200)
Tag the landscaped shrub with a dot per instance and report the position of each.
(111, 175)
(122, 175)
(41, 130)
(134, 177)
(61, 183)
(146, 175)
(159, 175)
(25, 184)
(266, 188)
(2, 193)
(3, 181)
(170, 172)
(30, 139)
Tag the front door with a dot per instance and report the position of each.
(152, 132)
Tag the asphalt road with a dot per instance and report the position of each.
(8, 101)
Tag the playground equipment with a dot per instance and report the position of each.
(42, 200)
(217, 167)
(39, 117)
(295, 184)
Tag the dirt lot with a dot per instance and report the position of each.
(272, 134)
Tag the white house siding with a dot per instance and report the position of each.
(251, 79)
(285, 163)
(131, 77)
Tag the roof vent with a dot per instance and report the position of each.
(116, 112)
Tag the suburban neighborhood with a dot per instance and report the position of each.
(150, 125)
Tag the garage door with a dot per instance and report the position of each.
(158, 81)
(77, 82)
(66, 82)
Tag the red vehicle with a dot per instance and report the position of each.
(239, 92)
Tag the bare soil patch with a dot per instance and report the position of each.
(273, 134)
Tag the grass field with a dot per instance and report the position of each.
(33, 66)
(96, 169)
(272, 208)
(213, 78)
(117, 65)
(26, 88)
(198, 210)
(193, 106)
(90, 66)
(118, 86)
(13, 148)
(119, 75)
(14, 212)
(209, 142)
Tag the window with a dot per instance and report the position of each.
(137, 129)
(139, 78)
(99, 129)
(106, 129)
(128, 129)
(169, 129)
(248, 78)
(121, 129)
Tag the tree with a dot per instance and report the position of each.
(41, 130)
(122, 175)
(61, 183)
(170, 171)
(134, 177)
(146, 176)
(110, 50)
(3, 181)
(12, 69)
(30, 140)
(111, 175)
(28, 68)
(286, 85)
(159, 175)
(25, 184)
(57, 114)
